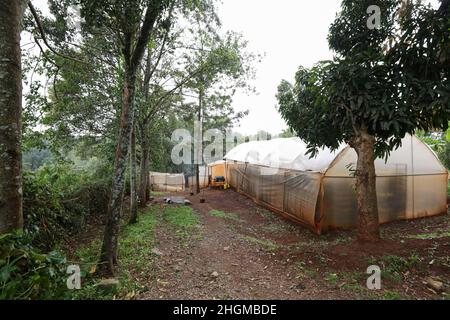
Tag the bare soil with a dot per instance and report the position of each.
(254, 254)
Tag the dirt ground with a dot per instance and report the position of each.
(251, 253)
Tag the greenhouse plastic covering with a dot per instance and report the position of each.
(166, 182)
(320, 193)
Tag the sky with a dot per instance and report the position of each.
(291, 33)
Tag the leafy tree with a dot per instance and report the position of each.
(220, 66)
(370, 95)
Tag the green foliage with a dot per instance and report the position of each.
(224, 215)
(26, 273)
(365, 88)
(34, 159)
(181, 217)
(264, 243)
(135, 253)
(444, 155)
(349, 34)
(395, 266)
(58, 199)
(185, 220)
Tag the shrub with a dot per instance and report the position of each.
(25, 273)
(444, 155)
(58, 200)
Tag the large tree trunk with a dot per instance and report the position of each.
(133, 180)
(10, 116)
(366, 192)
(108, 258)
(145, 168)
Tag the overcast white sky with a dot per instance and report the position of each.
(291, 33)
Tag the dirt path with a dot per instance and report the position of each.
(243, 251)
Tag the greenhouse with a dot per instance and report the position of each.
(319, 192)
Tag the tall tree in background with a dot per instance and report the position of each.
(220, 66)
(133, 21)
(370, 96)
(10, 116)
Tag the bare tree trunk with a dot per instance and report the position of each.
(11, 217)
(133, 180)
(108, 258)
(143, 183)
(368, 224)
(200, 143)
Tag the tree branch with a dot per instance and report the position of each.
(44, 37)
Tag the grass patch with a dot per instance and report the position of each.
(157, 193)
(183, 218)
(224, 215)
(434, 235)
(393, 295)
(266, 244)
(393, 267)
(305, 272)
(135, 245)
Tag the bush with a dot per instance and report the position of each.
(25, 273)
(58, 200)
(444, 155)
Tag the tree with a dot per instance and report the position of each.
(359, 98)
(220, 67)
(133, 21)
(11, 217)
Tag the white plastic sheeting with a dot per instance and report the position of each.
(412, 158)
(287, 153)
(320, 192)
(167, 182)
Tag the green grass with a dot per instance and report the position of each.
(157, 193)
(264, 243)
(393, 267)
(304, 271)
(135, 245)
(392, 295)
(224, 215)
(183, 218)
(434, 235)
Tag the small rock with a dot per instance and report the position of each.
(434, 284)
(215, 274)
(226, 249)
(177, 268)
(157, 252)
